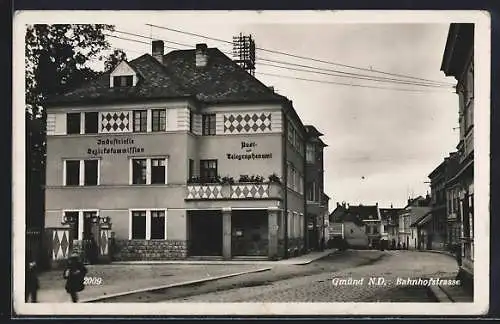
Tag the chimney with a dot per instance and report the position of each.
(338, 204)
(391, 206)
(201, 55)
(157, 50)
(271, 88)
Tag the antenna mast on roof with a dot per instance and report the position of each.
(244, 52)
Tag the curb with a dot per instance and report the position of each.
(439, 294)
(441, 252)
(185, 283)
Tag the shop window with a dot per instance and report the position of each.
(158, 171)
(73, 123)
(72, 173)
(123, 81)
(138, 225)
(91, 122)
(159, 118)
(208, 170)
(140, 120)
(208, 124)
(139, 171)
(158, 225)
(91, 172)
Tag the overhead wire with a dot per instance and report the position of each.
(303, 57)
(272, 74)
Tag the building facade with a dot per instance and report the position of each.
(183, 154)
(390, 221)
(316, 200)
(458, 61)
(347, 227)
(413, 211)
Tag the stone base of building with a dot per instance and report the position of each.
(296, 247)
(149, 250)
(467, 280)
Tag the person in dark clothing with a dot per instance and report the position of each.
(32, 282)
(74, 274)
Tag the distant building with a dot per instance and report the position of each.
(458, 61)
(370, 215)
(415, 209)
(390, 221)
(349, 227)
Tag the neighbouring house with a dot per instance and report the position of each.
(348, 227)
(424, 230)
(370, 215)
(316, 200)
(390, 221)
(458, 62)
(454, 225)
(180, 155)
(439, 228)
(407, 230)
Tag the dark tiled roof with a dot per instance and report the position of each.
(221, 80)
(364, 212)
(340, 214)
(155, 81)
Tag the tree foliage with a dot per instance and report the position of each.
(56, 58)
(114, 59)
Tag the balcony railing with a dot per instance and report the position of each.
(234, 191)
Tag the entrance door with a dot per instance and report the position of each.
(205, 233)
(89, 228)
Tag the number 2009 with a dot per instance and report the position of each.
(92, 281)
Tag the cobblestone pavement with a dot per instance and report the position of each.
(120, 278)
(318, 287)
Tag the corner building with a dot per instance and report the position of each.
(184, 155)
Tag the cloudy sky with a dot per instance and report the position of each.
(383, 143)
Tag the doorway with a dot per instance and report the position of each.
(205, 233)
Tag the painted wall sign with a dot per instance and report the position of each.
(248, 147)
(115, 146)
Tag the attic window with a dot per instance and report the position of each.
(123, 81)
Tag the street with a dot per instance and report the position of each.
(313, 282)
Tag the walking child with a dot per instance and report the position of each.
(74, 274)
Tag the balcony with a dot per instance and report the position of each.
(226, 189)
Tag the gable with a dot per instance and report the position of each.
(123, 69)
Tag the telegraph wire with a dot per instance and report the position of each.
(303, 57)
(338, 73)
(298, 78)
(348, 84)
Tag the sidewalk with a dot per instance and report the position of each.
(451, 294)
(300, 260)
(119, 279)
(123, 278)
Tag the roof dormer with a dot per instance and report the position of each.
(123, 76)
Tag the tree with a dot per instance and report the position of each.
(114, 59)
(56, 58)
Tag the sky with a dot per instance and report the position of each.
(382, 143)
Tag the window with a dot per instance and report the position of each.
(191, 121)
(72, 173)
(139, 171)
(208, 124)
(148, 225)
(208, 170)
(311, 191)
(191, 169)
(91, 122)
(293, 179)
(158, 225)
(158, 171)
(123, 81)
(73, 216)
(91, 172)
(310, 153)
(81, 172)
(140, 120)
(138, 225)
(159, 117)
(148, 171)
(73, 123)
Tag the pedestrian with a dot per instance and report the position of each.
(74, 274)
(404, 246)
(399, 245)
(32, 283)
